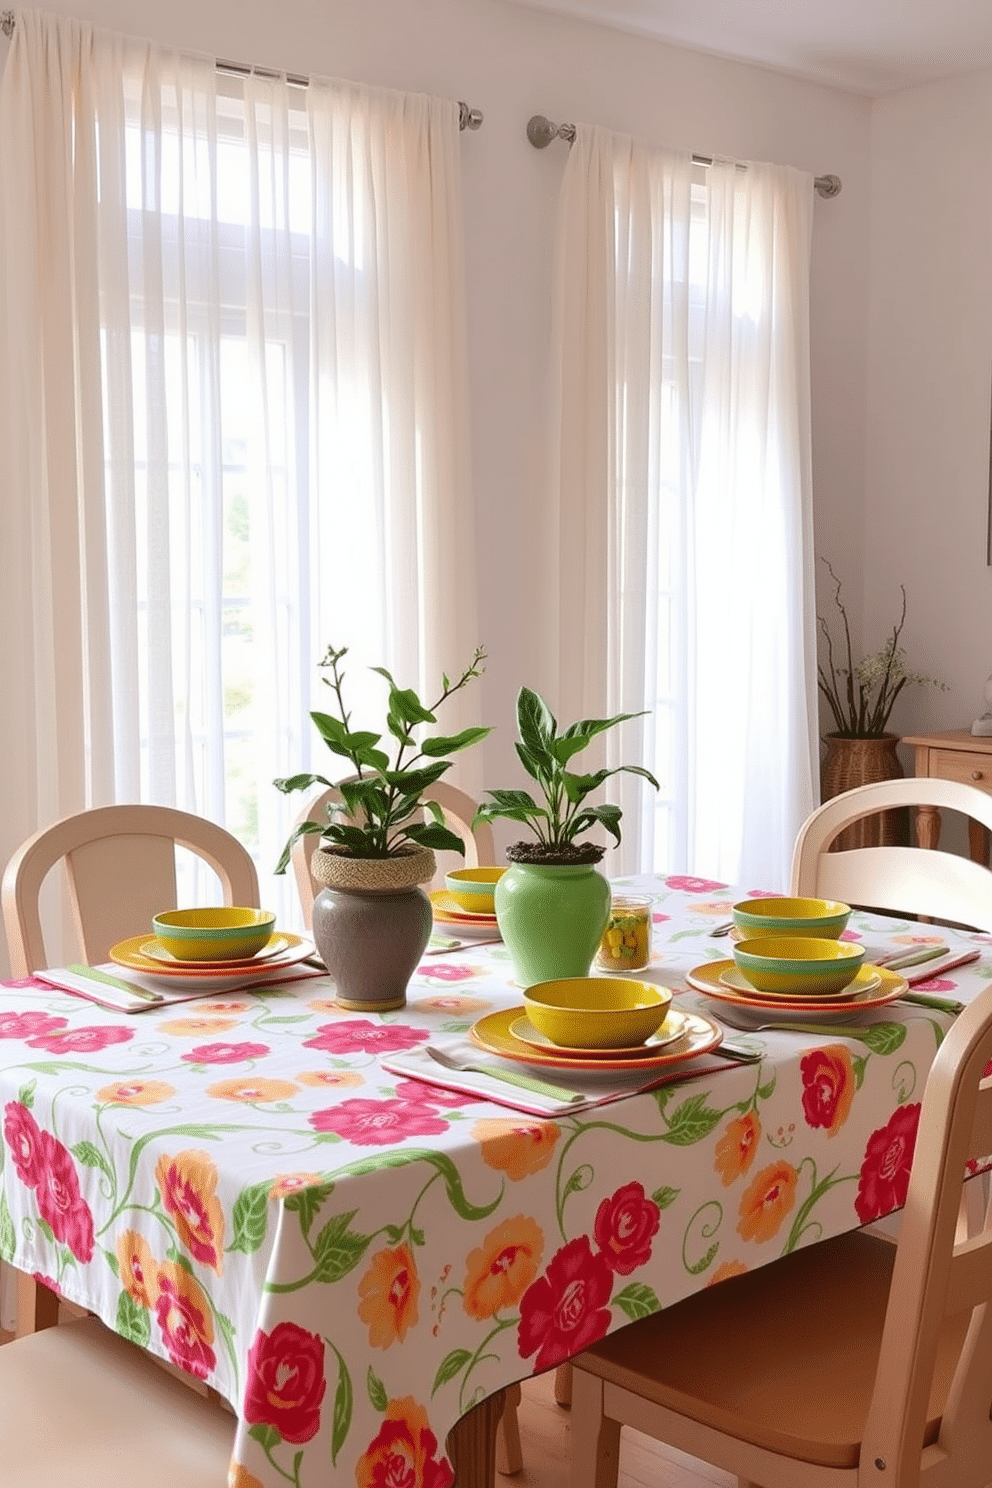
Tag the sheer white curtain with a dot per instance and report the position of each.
(683, 497)
(233, 414)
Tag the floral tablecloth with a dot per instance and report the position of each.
(354, 1259)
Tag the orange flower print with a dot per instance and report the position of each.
(135, 1093)
(452, 1002)
(291, 1183)
(252, 1091)
(389, 1291)
(766, 1202)
(184, 1320)
(736, 1148)
(503, 1267)
(726, 1271)
(187, 1027)
(403, 1454)
(138, 1268)
(188, 1183)
(517, 1147)
(240, 1477)
(219, 1007)
(330, 1077)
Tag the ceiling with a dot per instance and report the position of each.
(870, 47)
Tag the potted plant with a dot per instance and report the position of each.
(860, 748)
(552, 904)
(371, 919)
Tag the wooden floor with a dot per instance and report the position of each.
(545, 1438)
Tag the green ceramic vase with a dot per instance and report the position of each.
(551, 919)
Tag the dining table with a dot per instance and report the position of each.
(360, 1250)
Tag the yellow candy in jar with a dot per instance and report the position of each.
(626, 942)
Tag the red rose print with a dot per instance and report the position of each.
(370, 1123)
(433, 1095)
(691, 885)
(82, 1040)
(565, 1309)
(225, 1053)
(28, 1025)
(365, 1037)
(625, 1226)
(286, 1381)
(60, 1203)
(828, 1087)
(23, 1137)
(885, 1170)
(404, 1452)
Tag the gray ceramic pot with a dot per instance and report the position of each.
(371, 923)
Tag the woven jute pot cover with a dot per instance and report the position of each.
(405, 871)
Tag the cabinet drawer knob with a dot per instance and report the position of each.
(976, 775)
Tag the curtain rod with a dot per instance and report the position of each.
(468, 117)
(541, 131)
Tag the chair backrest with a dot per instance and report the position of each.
(120, 864)
(458, 810)
(938, 1277)
(907, 880)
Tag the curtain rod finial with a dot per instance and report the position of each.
(469, 118)
(541, 131)
(827, 185)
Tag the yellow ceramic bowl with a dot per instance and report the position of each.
(472, 888)
(218, 933)
(807, 966)
(597, 1012)
(822, 918)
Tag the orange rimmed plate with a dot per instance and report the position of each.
(280, 943)
(447, 908)
(708, 979)
(494, 1034)
(129, 953)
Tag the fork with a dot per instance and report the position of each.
(525, 1082)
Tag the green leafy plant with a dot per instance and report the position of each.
(546, 753)
(861, 697)
(384, 804)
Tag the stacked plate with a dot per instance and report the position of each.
(873, 986)
(510, 1035)
(449, 913)
(149, 955)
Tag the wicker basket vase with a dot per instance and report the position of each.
(852, 762)
(371, 922)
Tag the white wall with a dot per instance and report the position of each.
(930, 352)
(511, 63)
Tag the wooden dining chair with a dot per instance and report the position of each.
(458, 810)
(850, 1361)
(82, 1408)
(907, 880)
(120, 866)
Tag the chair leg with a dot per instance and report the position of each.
(595, 1437)
(509, 1458)
(563, 1385)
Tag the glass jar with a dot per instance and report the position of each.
(626, 941)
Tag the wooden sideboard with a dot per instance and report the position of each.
(957, 755)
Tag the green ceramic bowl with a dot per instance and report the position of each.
(793, 964)
(824, 919)
(218, 933)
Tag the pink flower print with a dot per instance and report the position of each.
(225, 1053)
(418, 1095)
(60, 1203)
(691, 885)
(362, 1036)
(447, 973)
(377, 1123)
(761, 894)
(88, 1040)
(936, 984)
(23, 1136)
(28, 1025)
